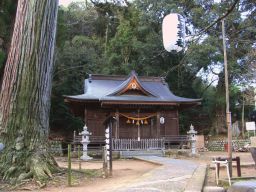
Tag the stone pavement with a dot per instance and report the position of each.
(174, 175)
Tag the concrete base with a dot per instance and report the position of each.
(85, 157)
(213, 189)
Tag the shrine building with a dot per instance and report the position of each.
(143, 107)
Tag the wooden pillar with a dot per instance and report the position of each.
(178, 122)
(151, 128)
(117, 124)
(158, 124)
(85, 115)
(238, 166)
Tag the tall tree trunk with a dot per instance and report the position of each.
(26, 90)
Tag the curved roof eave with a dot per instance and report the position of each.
(81, 98)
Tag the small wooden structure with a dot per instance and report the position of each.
(144, 109)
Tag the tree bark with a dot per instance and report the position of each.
(26, 90)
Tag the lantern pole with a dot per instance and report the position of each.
(228, 113)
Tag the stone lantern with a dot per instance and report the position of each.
(85, 141)
(192, 136)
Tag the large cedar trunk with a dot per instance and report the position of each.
(25, 93)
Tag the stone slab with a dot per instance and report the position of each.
(243, 186)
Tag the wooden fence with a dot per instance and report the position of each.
(178, 140)
(134, 144)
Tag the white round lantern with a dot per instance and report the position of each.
(173, 29)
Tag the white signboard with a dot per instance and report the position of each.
(250, 126)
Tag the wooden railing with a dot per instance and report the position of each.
(134, 144)
(93, 139)
(176, 138)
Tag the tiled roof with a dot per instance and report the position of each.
(106, 89)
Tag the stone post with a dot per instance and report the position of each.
(192, 135)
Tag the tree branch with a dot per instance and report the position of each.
(211, 69)
(207, 87)
(200, 34)
(220, 18)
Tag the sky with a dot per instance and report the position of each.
(66, 2)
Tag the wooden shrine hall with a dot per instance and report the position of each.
(143, 107)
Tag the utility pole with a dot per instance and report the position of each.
(255, 99)
(243, 116)
(228, 113)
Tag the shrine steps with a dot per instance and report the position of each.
(131, 154)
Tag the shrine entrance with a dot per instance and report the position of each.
(136, 126)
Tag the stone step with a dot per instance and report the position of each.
(213, 189)
(130, 154)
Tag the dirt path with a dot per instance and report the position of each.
(124, 171)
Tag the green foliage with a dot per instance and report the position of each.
(79, 57)
(2, 58)
(7, 13)
(7, 16)
(110, 38)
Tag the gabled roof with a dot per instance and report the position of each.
(133, 89)
(131, 83)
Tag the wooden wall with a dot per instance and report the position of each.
(171, 126)
(95, 118)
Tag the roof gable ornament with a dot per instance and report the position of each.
(132, 86)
